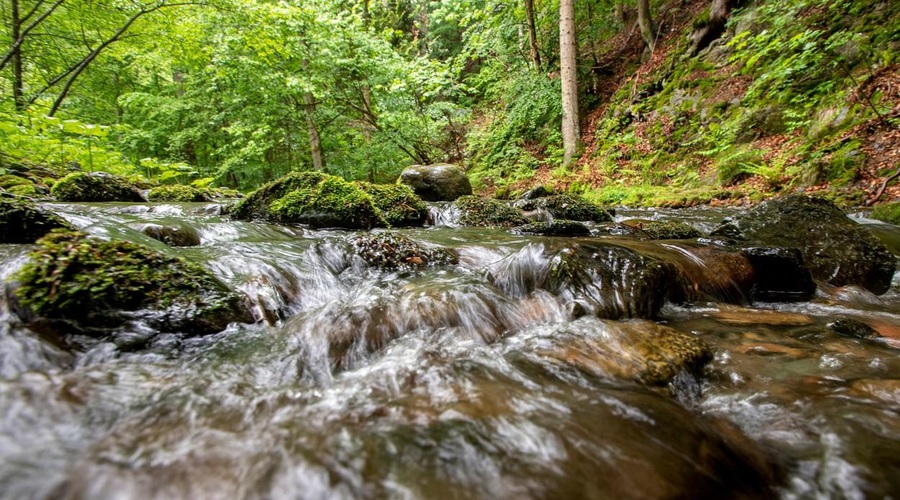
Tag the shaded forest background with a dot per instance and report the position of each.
(691, 102)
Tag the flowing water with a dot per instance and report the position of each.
(453, 382)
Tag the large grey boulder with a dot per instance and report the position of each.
(438, 182)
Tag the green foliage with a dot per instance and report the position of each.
(73, 276)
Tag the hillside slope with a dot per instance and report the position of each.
(799, 95)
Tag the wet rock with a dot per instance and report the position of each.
(75, 285)
(710, 273)
(780, 275)
(96, 186)
(637, 350)
(564, 206)
(733, 315)
(21, 221)
(853, 328)
(177, 193)
(392, 251)
(313, 198)
(398, 203)
(835, 249)
(535, 193)
(609, 281)
(10, 181)
(662, 230)
(438, 182)
(486, 212)
(557, 227)
(174, 236)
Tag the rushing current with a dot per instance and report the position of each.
(462, 381)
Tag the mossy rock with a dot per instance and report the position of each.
(558, 227)
(96, 186)
(76, 284)
(568, 207)
(835, 249)
(398, 203)
(8, 181)
(21, 221)
(23, 190)
(391, 251)
(177, 193)
(256, 205)
(333, 202)
(486, 212)
(662, 230)
(889, 212)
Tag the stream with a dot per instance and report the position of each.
(451, 382)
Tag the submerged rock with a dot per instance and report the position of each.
(398, 203)
(558, 227)
(564, 206)
(486, 212)
(439, 182)
(853, 328)
(21, 221)
(96, 186)
(835, 249)
(177, 193)
(393, 251)
(174, 236)
(75, 284)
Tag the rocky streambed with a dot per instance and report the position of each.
(544, 349)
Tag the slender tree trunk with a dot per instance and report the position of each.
(315, 144)
(16, 56)
(568, 75)
(532, 35)
(645, 23)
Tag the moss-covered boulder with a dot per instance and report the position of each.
(333, 202)
(96, 186)
(835, 249)
(398, 203)
(558, 227)
(439, 182)
(21, 221)
(8, 181)
(888, 212)
(391, 251)
(661, 230)
(177, 193)
(487, 212)
(565, 206)
(256, 205)
(76, 284)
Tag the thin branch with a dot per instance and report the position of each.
(14, 48)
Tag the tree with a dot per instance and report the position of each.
(645, 23)
(568, 74)
(532, 35)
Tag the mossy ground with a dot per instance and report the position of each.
(889, 212)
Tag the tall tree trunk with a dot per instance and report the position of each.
(315, 144)
(568, 75)
(532, 35)
(16, 56)
(645, 23)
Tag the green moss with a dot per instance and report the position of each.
(889, 212)
(23, 190)
(256, 205)
(397, 202)
(82, 186)
(333, 202)
(8, 181)
(74, 277)
(569, 207)
(177, 193)
(558, 227)
(486, 212)
(664, 230)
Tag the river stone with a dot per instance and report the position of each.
(609, 281)
(391, 251)
(96, 186)
(637, 350)
(835, 249)
(174, 236)
(438, 182)
(780, 275)
(565, 206)
(535, 193)
(77, 285)
(487, 212)
(662, 230)
(557, 227)
(21, 221)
